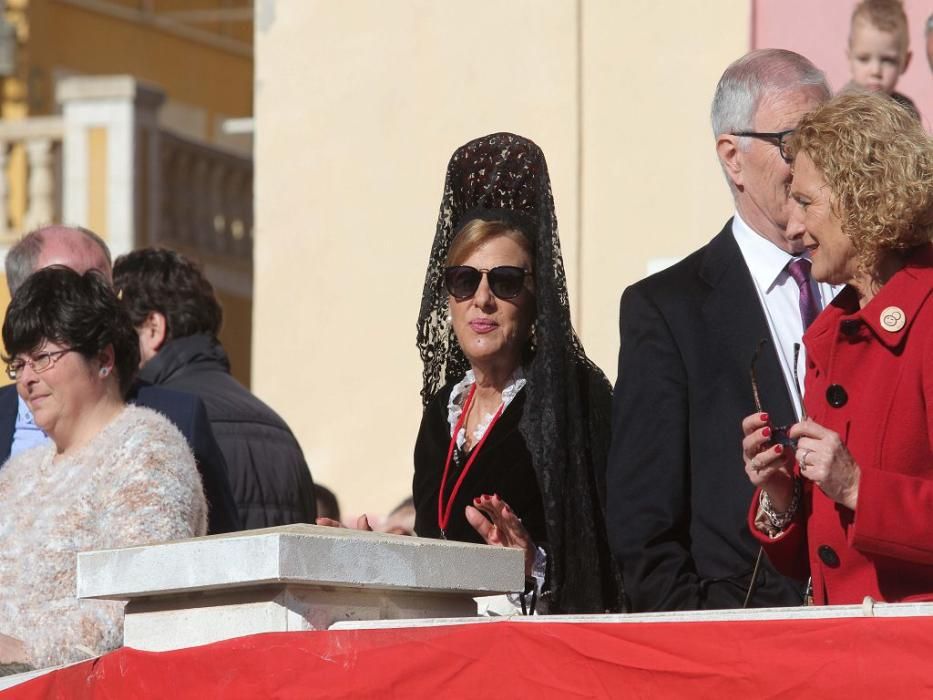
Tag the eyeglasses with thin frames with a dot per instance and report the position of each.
(39, 363)
(777, 138)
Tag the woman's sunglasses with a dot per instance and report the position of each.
(505, 281)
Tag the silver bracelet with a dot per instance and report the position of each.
(780, 520)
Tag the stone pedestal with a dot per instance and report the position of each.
(298, 577)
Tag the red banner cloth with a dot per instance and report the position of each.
(836, 658)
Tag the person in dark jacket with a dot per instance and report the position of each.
(173, 307)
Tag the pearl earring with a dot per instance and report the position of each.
(104, 371)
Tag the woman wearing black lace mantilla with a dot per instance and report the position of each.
(513, 441)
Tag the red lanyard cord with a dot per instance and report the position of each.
(443, 514)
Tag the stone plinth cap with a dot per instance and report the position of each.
(109, 87)
(303, 555)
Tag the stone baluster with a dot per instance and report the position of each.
(218, 209)
(203, 205)
(239, 200)
(40, 209)
(181, 185)
(174, 188)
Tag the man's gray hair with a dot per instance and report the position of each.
(929, 25)
(758, 74)
(23, 257)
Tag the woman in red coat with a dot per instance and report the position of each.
(851, 505)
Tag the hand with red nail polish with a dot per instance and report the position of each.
(767, 466)
(498, 525)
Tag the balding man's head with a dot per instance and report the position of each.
(71, 246)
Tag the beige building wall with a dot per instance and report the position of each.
(651, 187)
(358, 107)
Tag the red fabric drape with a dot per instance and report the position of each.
(840, 658)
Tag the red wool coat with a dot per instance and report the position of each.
(870, 379)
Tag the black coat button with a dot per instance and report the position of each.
(851, 328)
(828, 556)
(836, 396)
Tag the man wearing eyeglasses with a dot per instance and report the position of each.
(82, 250)
(677, 493)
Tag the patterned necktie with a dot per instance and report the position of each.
(799, 269)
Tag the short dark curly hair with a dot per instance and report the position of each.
(158, 279)
(77, 311)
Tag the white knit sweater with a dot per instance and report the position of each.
(134, 483)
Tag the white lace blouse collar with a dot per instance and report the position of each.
(458, 397)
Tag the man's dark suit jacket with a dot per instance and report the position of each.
(189, 416)
(678, 495)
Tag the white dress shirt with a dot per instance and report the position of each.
(780, 300)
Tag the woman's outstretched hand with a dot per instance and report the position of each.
(362, 523)
(492, 518)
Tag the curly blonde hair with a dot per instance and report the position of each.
(878, 163)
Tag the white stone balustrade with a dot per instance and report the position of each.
(291, 578)
(210, 203)
(106, 164)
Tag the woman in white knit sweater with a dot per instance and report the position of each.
(113, 476)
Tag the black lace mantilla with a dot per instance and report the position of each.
(566, 421)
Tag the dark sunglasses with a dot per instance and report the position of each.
(505, 281)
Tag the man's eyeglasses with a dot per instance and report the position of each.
(38, 363)
(777, 138)
(505, 281)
